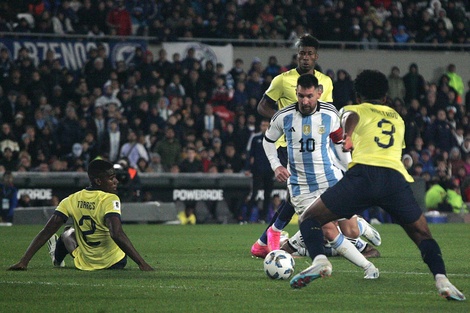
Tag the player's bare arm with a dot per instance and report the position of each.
(349, 121)
(52, 226)
(267, 107)
(120, 238)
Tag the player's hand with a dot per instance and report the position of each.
(145, 267)
(18, 267)
(347, 143)
(281, 174)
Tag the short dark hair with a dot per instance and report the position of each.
(371, 85)
(307, 40)
(98, 168)
(307, 81)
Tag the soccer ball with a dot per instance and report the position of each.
(279, 264)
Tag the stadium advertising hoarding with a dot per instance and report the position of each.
(72, 53)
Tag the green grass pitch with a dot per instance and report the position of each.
(208, 268)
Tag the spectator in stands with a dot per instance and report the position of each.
(14, 82)
(6, 64)
(221, 95)
(343, 90)
(8, 138)
(426, 159)
(119, 20)
(237, 70)
(18, 126)
(169, 149)
(68, 131)
(189, 59)
(192, 83)
(396, 85)
(8, 106)
(273, 68)
(23, 26)
(113, 140)
(209, 121)
(31, 144)
(440, 132)
(132, 149)
(61, 23)
(240, 97)
(8, 159)
(231, 161)
(98, 75)
(258, 166)
(98, 124)
(155, 164)
(108, 96)
(9, 197)
(175, 88)
(414, 84)
(456, 82)
(254, 85)
(192, 163)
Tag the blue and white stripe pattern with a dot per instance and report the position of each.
(309, 146)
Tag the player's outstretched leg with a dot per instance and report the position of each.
(271, 236)
(51, 245)
(320, 267)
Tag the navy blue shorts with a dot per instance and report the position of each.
(282, 155)
(119, 265)
(365, 186)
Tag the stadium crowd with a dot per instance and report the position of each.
(175, 114)
(368, 21)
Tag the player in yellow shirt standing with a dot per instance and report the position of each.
(97, 240)
(376, 177)
(281, 93)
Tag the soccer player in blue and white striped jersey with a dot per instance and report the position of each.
(309, 127)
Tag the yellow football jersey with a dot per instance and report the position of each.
(282, 90)
(88, 208)
(378, 138)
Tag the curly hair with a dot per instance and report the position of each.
(371, 85)
(98, 168)
(307, 40)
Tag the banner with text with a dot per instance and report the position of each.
(72, 54)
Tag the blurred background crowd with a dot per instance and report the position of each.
(163, 113)
(368, 21)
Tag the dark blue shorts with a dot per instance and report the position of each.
(365, 186)
(282, 155)
(119, 265)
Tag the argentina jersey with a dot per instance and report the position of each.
(310, 161)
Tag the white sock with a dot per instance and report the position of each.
(361, 226)
(320, 257)
(440, 276)
(348, 250)
(273, 227)
(261, 243)
(358, 242)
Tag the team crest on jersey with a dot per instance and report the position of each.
(306, 129)
(117, 205)
(321, 129)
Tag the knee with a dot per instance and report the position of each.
(330, 231)
(68, 237)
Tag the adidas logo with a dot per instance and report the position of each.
(292, 129)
